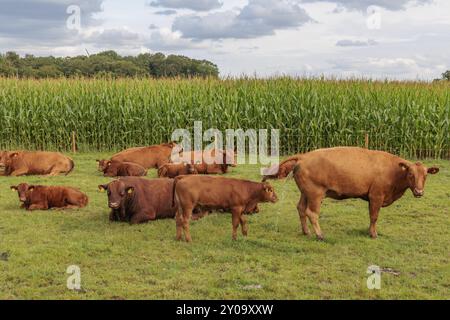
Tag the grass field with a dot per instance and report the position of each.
(119, 261)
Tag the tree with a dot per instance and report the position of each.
(446, 75)
(105, 64)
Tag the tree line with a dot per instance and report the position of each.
(105, 64)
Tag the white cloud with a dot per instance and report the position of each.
(258, 18)
(356, 43)
(197, 5)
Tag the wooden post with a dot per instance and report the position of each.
(366, 143)
(74, 142)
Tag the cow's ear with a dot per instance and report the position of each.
(433, 170)
(30, 188)
(14, 154)
(130, 190)
(404, 166)
(102, 187)
(109, 163)
(98, 161)
(14, 188)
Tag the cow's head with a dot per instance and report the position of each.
(117, 192)
(229, 157)
(416, 175)
(23, 191)
(268, 193)
(111, 169)
(10, 159)
(3, 156)
(103, 165)
(190, 169)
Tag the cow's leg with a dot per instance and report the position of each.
(187, 213)
(313, 212)
(301, 207)
(236, 213)
(69, 206)
(53, 173)
(19, 172)
(244, 225)
(375, 204)
(141, 218)
(179, 222)
(40, 206)
(113, 216)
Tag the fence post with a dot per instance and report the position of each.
(74, 142)
(366, 143)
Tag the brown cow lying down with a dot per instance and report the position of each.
(123, 169)
(218, 193)
(282, 170)
(20, 163)
(341, 173)
(44, 198)
(171, 170)
(207, 156)
(139, 200)
(147, 157)
(203, 168)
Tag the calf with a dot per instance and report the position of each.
(20, 163)
(342, 173)
(123, 169)
(218, 193)
(171, 170)
(138, 200)
(48, 197)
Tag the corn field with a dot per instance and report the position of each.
(407, 118)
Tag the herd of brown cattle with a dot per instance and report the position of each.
(187, 191)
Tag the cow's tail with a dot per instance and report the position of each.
(295, 158)
(72, 166)
(174, 190)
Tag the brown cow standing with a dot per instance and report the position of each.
(282, 170)
(218, 193)
(147, 157)
(342, 173)
(171, 170)
(123, 169)
(139, 200)
(19, 163)
(47, 197)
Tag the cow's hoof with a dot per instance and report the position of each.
(306, 233)
(374, 235)
(320, 238)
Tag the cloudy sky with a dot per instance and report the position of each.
(397, 39)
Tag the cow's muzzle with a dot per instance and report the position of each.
(114, 205)
(23, 199)
(418, 193)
